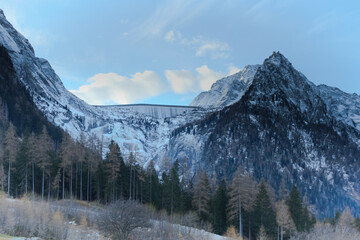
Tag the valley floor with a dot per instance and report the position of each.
(76, 220)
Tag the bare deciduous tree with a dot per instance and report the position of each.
(283, 217)
(67, 153)
(121, 218)
(242, 194)
(11, 143)
(202, 194)
(45, 145)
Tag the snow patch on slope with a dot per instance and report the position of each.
(344, 107)
(145, 129)
(228, 90)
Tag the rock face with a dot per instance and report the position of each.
(267, 118)
(283, 127)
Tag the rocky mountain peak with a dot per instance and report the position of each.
(2, 15)
(277, 59)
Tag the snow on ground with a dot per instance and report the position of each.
(159, 230)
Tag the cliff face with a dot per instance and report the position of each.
(281, 128)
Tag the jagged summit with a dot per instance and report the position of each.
(230, 89)
(277, 59)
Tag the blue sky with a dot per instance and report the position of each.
(166, 52)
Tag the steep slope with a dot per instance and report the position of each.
(226, 91)
(344, 107)
(280, 128)
(16, 105)
(142, 128)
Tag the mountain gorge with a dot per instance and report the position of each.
(268, 119)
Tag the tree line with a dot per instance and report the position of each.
(34, 165)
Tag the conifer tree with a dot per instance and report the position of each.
(132, 164)
(219, 216)
(22, 164)
(175, 191)
(32, 151)
(264, 214)
(295, 208)
(3, 176)
(153, 189)
(113, 165)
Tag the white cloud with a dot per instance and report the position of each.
(184, 81)
(181, 81)
(207, 77)
(110, 88)
(204, 47)
(215, 49)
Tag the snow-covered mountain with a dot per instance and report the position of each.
(226, 91)
(142, 128)
(268, 118)
(344, 107)
(283, 127)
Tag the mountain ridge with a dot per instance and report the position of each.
(269, 119)
(280, 129)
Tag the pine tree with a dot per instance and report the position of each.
(113, 165)
(306, 219)
(32, 151)
(22, 164)
(3, 175)
(295, 208)
(263, 213)
(132, 164)
(175, 190)
(219, 216)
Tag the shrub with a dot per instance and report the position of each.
(121, 218)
